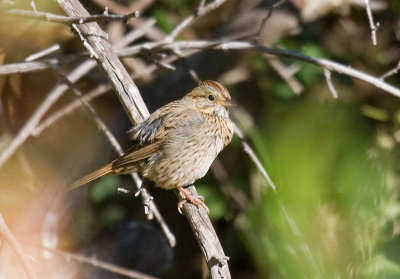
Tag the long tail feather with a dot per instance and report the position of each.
(107, 169)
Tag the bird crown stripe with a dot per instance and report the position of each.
(217, 86)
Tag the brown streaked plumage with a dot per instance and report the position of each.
(177, 143)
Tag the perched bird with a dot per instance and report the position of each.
(177, 143)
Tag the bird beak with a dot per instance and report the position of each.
(228, 103)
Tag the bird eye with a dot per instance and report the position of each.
(211, 97)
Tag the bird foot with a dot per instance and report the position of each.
(196, 200)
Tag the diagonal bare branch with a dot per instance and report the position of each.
(247, 148)
(95, 41)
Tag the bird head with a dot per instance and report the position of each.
(212, 98)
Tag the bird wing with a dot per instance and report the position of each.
(127, 161)
(157, 125)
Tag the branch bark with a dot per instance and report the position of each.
(95, 40)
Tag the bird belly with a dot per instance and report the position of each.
(181, 163)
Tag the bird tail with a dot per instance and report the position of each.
(107, 169)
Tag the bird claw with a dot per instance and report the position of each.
(196, 200)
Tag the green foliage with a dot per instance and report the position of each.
(396, 6)
(104, 188)
(310, 74)
(163, 19)
(215, 201)
(333, 201)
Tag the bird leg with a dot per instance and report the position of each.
(196, 200)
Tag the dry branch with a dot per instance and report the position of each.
(70, 20)
(198, 45)
(243, 45)
(95, 41)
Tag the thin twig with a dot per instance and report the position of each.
(70, 20)
(118, 7)
(391, 72)
(331, 87)
(33, 66)
(50, 120)
(191, 71)
(99, 263)
(152, 209)
(227, 187)
(43, 53)
(372, 25)
(265, 19)
(9, 237)
(200, 11)
(247, 148)
(100, 124)
(286, 73)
